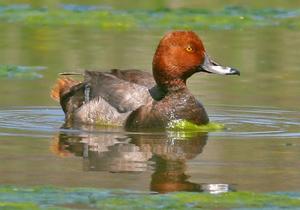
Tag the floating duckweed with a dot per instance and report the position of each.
(234, 17)
(60, 198)
(20, 72)
(184, 125)
(18, 206)
(105, 124)
(236, 199)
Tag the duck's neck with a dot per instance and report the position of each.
(169, 79)
(159, 91)
(173, 85)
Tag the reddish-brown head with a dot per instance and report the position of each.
(179, 55)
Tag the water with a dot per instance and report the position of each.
(258, 150)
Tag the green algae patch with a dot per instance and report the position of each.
(233, 17)
(203, 201)
(236, 200)
(12, 197)
(18, 206)
(106, 124)
(20, 72)
(185, 125)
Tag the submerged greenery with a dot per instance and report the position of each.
(109, 18)
(20, 72)
(61, 198)
(184, 125)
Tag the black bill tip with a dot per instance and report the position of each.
(234, 71)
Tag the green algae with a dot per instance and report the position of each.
(185, 125)
(107, 124)
(203, 201)
(12, 197)
(20, 72)
(183, 129)
(18, 206)
(234, 17)
(236, 200)
(26, 206)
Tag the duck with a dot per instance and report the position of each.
(137, 99)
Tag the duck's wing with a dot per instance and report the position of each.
(142, 78)
(121, 94)
(139, 77)
(106, 97)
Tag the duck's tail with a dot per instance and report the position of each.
(62, 86)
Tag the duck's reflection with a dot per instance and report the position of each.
(170, 154)
(165, 153)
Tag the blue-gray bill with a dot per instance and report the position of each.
(211, 66)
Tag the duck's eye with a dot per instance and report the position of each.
(189, 49)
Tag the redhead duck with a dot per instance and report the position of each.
(136, 99)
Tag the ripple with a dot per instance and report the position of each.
(36, 119)
(257, 121)
(239, 121)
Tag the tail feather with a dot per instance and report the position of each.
(62, 86)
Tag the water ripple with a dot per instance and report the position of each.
(257, 121)
(239, 121)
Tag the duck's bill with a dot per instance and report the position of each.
(211, 66)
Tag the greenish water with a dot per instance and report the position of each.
(258, 151)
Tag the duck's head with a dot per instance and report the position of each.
(181, 54)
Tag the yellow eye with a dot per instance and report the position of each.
(189, 49)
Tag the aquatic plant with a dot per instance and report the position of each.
(43, 197)
(184, 125)
(20, 72)
(233, 17)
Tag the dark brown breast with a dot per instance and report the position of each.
(174, 106)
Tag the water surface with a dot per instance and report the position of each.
(258, 150)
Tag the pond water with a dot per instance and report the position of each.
(259, 149)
